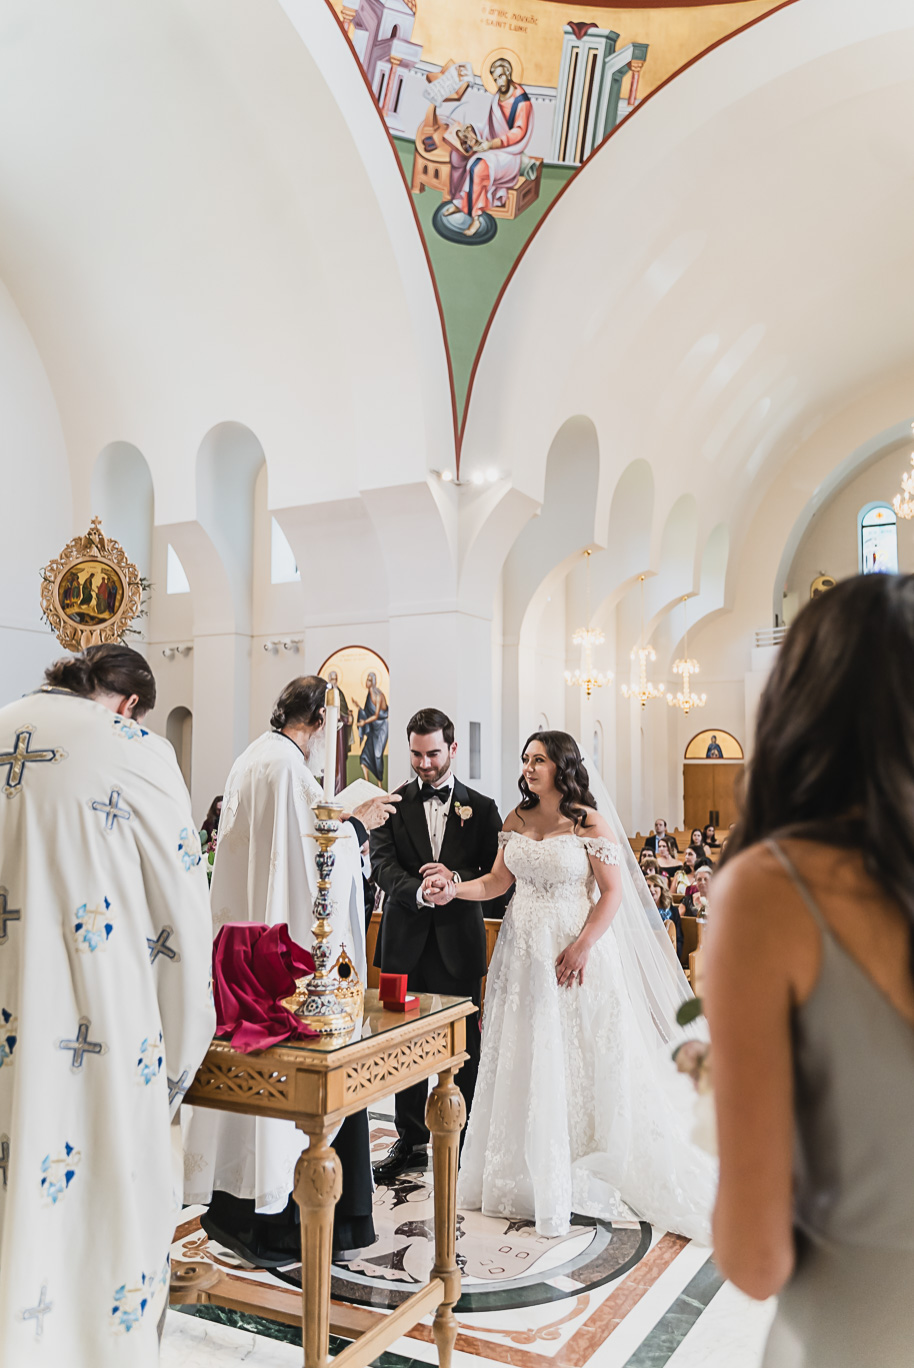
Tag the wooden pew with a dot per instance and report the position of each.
(692, 933)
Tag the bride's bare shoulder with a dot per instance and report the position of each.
(513, 821)
(596, 826)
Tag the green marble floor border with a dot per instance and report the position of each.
(286, 1334)
(657, 1348)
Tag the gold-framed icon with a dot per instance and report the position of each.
(90, 592)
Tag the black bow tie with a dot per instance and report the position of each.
(440, 795)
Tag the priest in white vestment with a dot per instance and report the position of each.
(266, 871)
(106, 1011)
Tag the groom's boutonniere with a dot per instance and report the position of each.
(463, 812)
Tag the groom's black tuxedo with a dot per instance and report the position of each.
(441, 949)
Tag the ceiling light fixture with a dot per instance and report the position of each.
(645, 690)
(686, 667)
(587, 678)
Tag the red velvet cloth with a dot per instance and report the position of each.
(253, 967)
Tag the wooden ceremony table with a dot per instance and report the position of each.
(317, 1083)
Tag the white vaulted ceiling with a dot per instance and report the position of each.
(189, 229)
(729, 274)
(202, 222)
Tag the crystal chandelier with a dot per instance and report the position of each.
(686, 699)
(645, 690)
(904, 507)
(587, 638)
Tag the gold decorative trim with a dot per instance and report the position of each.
(91, 592)
(391, 1066)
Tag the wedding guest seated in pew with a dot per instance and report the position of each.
(669, 864)
(695, 903)
(664, 905)
(709, 836)
(660, 832)
(686, 876)
(697, 841)
(649, 865)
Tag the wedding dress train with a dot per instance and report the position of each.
(578, 1106)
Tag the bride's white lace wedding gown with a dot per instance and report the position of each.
(577, 1108)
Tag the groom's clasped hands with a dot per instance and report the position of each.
(438, 886)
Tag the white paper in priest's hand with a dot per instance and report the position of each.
(359, 791)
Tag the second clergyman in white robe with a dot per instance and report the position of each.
(266, 871)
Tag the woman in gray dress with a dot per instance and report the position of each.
(810, 991)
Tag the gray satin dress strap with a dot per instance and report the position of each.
(850, 1302)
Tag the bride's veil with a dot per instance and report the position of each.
(657, 985)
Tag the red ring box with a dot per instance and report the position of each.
(392, 988)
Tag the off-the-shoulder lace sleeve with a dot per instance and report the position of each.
(503, 839)
(605, 850)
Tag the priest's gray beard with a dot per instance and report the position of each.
(312, 750)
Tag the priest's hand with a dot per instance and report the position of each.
(376, 811)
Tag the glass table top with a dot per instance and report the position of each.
(376, 1020)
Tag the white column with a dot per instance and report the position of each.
(222, 710)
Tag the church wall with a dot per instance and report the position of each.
(35, 495)
(170, 623)
(830, 544)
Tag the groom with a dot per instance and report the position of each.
(440, 828)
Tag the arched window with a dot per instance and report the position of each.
(878, 540)
(176, 581)
(283, 567)
(179, 729)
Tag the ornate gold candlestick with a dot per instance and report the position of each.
(327, 997)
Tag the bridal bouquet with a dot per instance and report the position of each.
(693, 1058)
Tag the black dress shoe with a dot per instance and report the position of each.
(248, 1246)
(401, 1158)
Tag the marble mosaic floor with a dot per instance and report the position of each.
(605, 1296)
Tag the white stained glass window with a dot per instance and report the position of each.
(879, 541)
(176, 581)
(283, 569)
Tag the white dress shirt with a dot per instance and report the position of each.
(436, 815)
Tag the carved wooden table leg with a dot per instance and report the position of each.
(445, 1116)
(318, 1184)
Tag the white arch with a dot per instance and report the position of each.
(122, 496)
(708, 344)
(245, 259)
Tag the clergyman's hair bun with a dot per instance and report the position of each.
(111, 668)
(301, 701)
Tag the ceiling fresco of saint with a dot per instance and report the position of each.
(492, 106)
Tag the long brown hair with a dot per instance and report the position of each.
(571, 777)
(834, 744)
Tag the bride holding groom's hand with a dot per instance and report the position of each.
(578, 1107)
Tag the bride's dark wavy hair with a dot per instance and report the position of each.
(571, 777)
(834, 745)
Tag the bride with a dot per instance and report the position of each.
(578, 1105)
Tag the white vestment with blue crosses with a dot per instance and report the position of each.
(266, 870)
(105, 1014)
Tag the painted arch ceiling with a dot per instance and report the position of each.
(492, 107)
